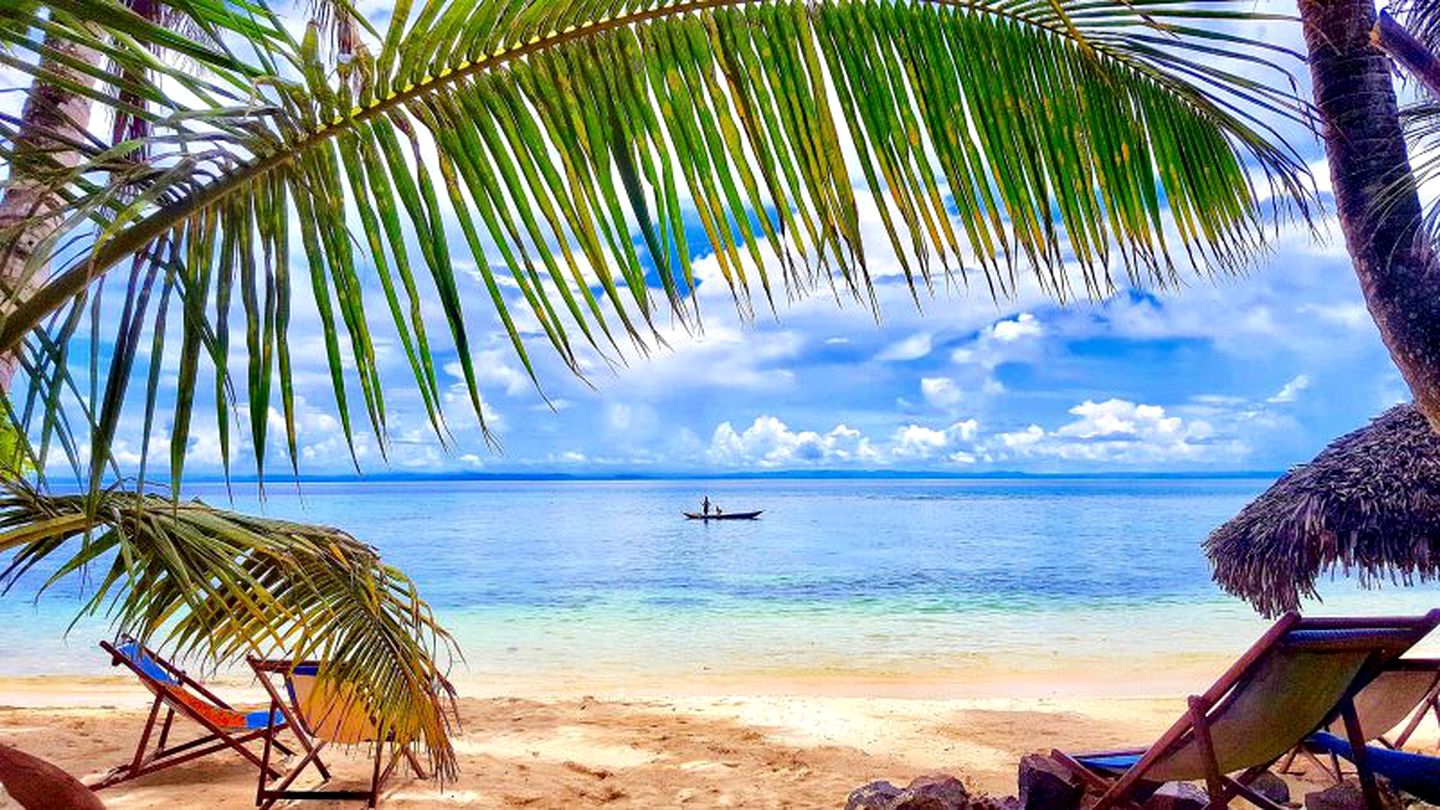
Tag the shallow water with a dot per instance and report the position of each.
(847, 578)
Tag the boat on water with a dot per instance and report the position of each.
(724, 515)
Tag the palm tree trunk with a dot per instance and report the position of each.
(51, 114)
(1375, 195)
(50, 110)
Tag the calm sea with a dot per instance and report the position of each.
(851, 579)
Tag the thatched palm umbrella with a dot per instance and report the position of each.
(1368, 506)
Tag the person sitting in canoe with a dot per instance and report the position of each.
(705, 506)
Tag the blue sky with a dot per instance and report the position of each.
(1250, 373)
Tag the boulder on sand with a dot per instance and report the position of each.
(874, 796)
(933, 791)
(37, 785)
(1348, 796)
(1271, 787)
(1178, 796)
(1048, 785)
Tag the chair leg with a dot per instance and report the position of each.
(1331, 771)
(1289, 759)
(1214, 780)
(165, 731)
(265, 765)
(271, 795)
(1357, 749)
(145, 735)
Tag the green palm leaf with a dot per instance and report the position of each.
(1071, 139)
(220, 586)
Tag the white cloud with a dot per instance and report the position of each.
(1117, 417)
(942, 392)
(1291, 390)
(1021, 326)
(911, 348)
(917, 442)
(492, 367)
(769, 442)
(1349, 314)
(1122, 432)
(1114, 431)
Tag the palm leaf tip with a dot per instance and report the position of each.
(217, 587)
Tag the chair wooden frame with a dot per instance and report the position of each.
(265, 795)
(1121, 790)
(214, 740)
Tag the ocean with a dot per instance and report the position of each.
(857, 581)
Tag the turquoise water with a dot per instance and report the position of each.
(859, 579)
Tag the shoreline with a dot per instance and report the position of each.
(1062, 681)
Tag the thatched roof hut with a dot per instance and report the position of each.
(1368, 505)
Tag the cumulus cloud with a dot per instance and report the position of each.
(1020, 327)
(1114, 431)
(1122, 432)
(769, 442)
(920, 443)
(942, 392)
(911, 348)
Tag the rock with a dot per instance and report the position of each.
(1348, 796)
(1271, 787)
(932, 791)
(1048, 785)
(874, 796)
(994, 803)
(1178, 796)
(37, 785)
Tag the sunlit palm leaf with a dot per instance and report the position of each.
(1066, 138)
(219, 586)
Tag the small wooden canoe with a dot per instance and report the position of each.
(724, 515)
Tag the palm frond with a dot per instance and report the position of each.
(219, 586)
(1080, 142)
(1421, 18)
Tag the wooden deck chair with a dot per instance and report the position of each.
(225, 727)
(319, 716)
(1405, 692)
(1300, 675)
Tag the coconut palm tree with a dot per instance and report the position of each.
(1375, 189)
(578, 147)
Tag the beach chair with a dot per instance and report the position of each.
(1407, 690)
(225, 727)
(319, 716)
(1300, 675)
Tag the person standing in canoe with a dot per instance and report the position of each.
(705, 506)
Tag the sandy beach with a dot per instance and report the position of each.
(783, 743)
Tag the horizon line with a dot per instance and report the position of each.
(825, 474)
